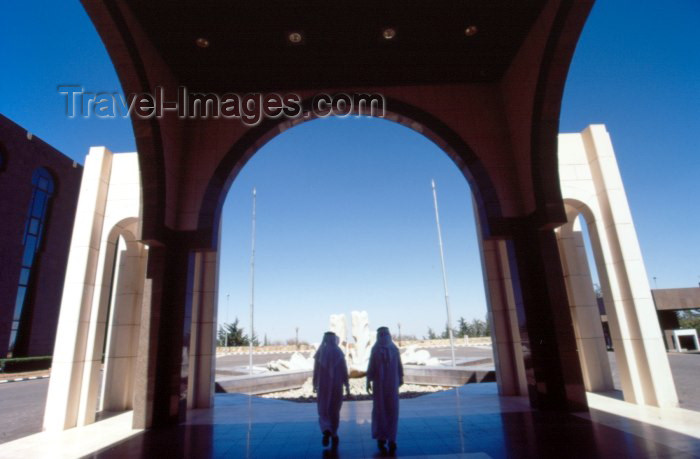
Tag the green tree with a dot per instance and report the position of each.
(478, 327)
(431, 334)
(465, 328)
(461, 327)
(474, 328)
(689, 319)
(235, 334)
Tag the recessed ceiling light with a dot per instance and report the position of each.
(295, 37)
(470, 31)
(202, 42)
(389, 33)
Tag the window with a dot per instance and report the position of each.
(43, 188)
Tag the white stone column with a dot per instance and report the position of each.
(63, 396)
(631, 308)
(200, 390)
(122, 338)
(109, 256)
(585, 314)
(505, 334)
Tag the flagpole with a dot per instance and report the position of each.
(252, 290)
(226, 331)
(444, 277)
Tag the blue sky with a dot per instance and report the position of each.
(361, 234)
(353, 197)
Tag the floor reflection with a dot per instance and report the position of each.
(471, 422)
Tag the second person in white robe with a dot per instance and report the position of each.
(384, 376)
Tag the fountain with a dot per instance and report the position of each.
(419, 366)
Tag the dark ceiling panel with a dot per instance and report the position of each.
(342, 41)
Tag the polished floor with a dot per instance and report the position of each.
(469, 422)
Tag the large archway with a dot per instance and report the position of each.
(345, 221)
(496, 256)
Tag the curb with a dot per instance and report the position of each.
(262, 352)
(28, 378)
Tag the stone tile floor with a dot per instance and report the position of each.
(469, 422)
(472, 421)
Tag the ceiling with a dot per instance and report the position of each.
(342, 43)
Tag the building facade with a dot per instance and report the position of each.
(39, 186)
(668, 302)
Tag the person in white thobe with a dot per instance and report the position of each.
(384, 376)
(330, 375)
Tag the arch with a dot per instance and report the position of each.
(485, 203)
(583, 305)
(123, 321)
(635, 376)
(592, 186)
(130, 64)
(114, 322)
(485, 197)
(128, 227)
(544, 162)
(43, 179)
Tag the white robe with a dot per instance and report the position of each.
(330, 375)
(386, 374)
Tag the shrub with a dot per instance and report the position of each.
(19, 364)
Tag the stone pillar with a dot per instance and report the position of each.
(584, 310)
(203, 340)
(108, 260)
(639, 347)
(66, 381)
(505, 336)
(552, 364)
(163, 362)
(124, 324)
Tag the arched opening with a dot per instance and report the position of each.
(123, 322)
(114, 326)
(235, 306)
(586, 289)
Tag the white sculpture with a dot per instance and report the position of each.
(296, 362)
(357, 354)
(415, 356)
(364, 340)
(339, 327)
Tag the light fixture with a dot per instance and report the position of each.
(470, 31)
(295, 37)
(202, 42)
(389, 33)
